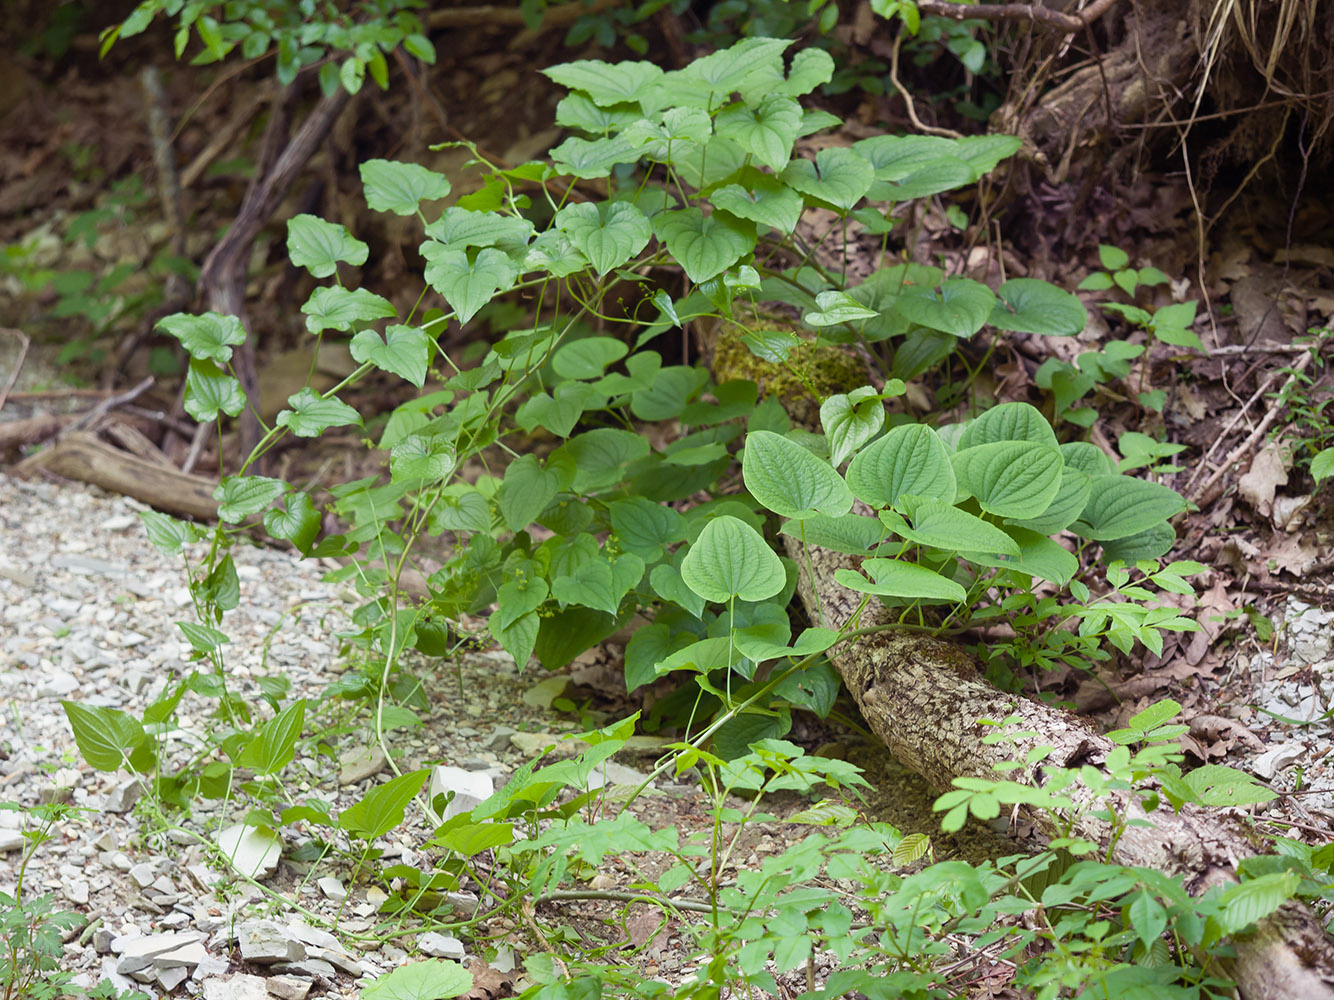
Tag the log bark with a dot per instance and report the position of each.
(923, 697)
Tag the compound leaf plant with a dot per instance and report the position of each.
(691, 173)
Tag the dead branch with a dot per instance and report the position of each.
(1027, 13)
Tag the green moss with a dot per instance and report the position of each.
(813, 371)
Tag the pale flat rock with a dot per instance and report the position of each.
(253, 851)
(187, 956)
(470, 789)
(237, 987)
(11, 840)
(438, 945)
(265, 942)
(124, 795)
(288, 987)
(360, 763)
(332, 888)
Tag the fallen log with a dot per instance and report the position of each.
(82, 456)
(923, 697)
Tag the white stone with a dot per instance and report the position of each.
(440, 946)
(332, 888)
(237, 987)
(470, 788)
(252, 851)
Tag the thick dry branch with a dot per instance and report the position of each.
(1030, 13)
(487, 14)
(923, 697)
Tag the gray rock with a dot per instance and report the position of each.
(169, 979)
(288, 987)
(440, 946)
(77, 892)
(360, 763)
(187, 956)
(212, 965)
(56, 684)
(124, 795)
(143, 875)
(312, 968)
(11, 840)
(102, 940)
(332, 888)
(265, 942)
(237, 987)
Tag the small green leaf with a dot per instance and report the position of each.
(335, 308)
(850, 420)
(208, 392)
(1027, 305)
(311, 414)
(318, 246)
(168, 534)
(210, 336)
(518, 638)
(1322, 465)
(559, 413)
(240, 496)
(592, 158)
(704, 245)
(644, 527)
(273, 747)
(599, 457)
(909, 460)
(811, 67)
(761, 198)
(894, 578)
(834, 307)
(944, 526)
(600, 584)
(400, 187)
(1038, 557)
(404, 350)
(854, 534)
(731, 559)
(839, 177)
(1010, 478)
(766, 131)
(467, 285)
(422, 459)
(789, 480)
(1112, 258)
(297, 522)
(588, 357)
(1008, 422)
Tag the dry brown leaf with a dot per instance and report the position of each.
(1266, 474)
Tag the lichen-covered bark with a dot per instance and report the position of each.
(923, 697)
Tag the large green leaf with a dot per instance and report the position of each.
(1039, 557)
(517, 638)
(405, 351)
(766, 131)
(608, 233)
(1010, 478)
(600, 584)
(1087, 458)
(1028, 305)
(1147, 544)
(383, 807)
(460, 229)
(718, 75)
(1065, 508)
(789, 480)
(850, 420)
(731, 559)
(704, 245)
(855, 534)
(811, 67)
(1008, 422)
(839, 177)
(108, 738)
(961, 308)
(527, 489)
(599, 457)
(1121, 506)
(434, 979)
(944, 526)
(592, 158)
(644, 527)
(467, 285)
(582, 112)
(909, 460)
(895, 578)
(606, 83)
(588, 357)
(334, 308)
(761, 198)
(318, 246)
(400, 187)
(834, 307)
(240, 496)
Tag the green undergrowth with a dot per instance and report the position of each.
(666, 501)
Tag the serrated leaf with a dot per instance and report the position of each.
(789, 480)
(1120, 506)
(1322, 465)
(1010, 478)
(209, 336)
(1027, 305)
(400, 187)
(849, 421)
(467, 285)
(240, 496)
(318, 246)
(704, 245)
(766, 131)
(894, 578)
(404, 351)
(335, 308)
(607, 233)
(311, 414)
(909, 460)
(731, 559)
(208, 392)
(961, 307)
(839, 177)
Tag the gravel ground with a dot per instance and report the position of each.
(87, 608)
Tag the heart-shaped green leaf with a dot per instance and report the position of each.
(1028, 305)
(556, 414)
(336, 308)
(960, 309)
(944, 526)
(240, 496)
(1039, 557)
(1120, 506)
(311, 414)
(1008, 422)
(405, 351)
(467, 285)
(838, 177)
(588, 357)
(704, 245)
(600, 584)
(850, 420)
(731, 559)
(527, 489)
(400, 187)
(209, 392)
(761, 198)
(834, 307)
(1064, 510)
(318, 246)
(766, 131)
(460, 229)
(207, 337)
(894, 578)
(790, 481)
(606, 83)
(607, 233)
(297, 522)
